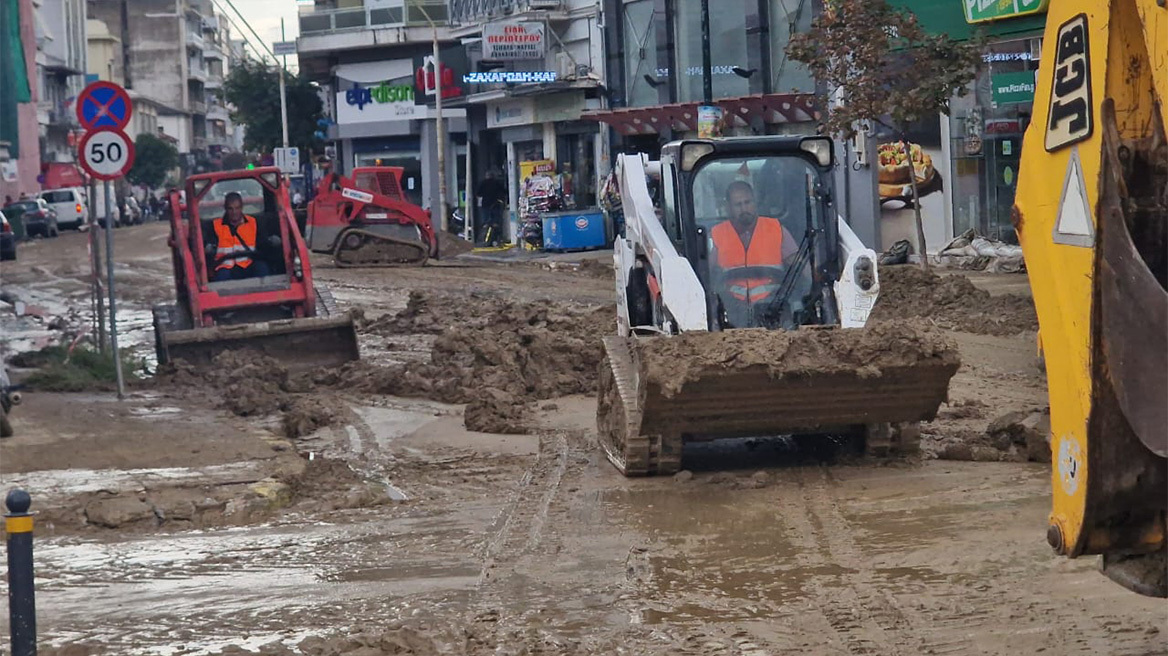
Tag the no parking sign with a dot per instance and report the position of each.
(103, 109)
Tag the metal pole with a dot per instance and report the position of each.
(95, 262)
(468, 226)
(283, 95)
(21, 585)
(707, 65)
(440, 126)
(113, 313)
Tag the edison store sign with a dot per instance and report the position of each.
(382, 102)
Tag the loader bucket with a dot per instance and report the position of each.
(299, 344)
(658, 392)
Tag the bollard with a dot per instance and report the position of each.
(21, 596)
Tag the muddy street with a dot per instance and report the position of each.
(447, 494)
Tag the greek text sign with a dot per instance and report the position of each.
(513, 41)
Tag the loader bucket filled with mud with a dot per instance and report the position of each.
(299, 344)
(657, 393)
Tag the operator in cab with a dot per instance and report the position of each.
(235, 244)
(749, 240)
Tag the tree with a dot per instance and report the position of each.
(253, 88)
(154, 159)
(882, 67)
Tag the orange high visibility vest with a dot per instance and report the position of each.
(766, 249)
(234, 250)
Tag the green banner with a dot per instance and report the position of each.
(1013, 87)
(980, 11)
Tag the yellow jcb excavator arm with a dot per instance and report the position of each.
(1092, 217)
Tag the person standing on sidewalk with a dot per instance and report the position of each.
(492, 195)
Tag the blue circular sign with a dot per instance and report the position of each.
(104, 105)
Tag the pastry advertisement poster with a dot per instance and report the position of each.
(898, 220)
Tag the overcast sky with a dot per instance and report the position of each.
(264, 16)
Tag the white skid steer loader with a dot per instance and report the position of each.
(730, 326)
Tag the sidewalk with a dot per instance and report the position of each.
(516, 255)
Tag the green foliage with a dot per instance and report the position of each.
(82, 370)
(154, 159)
(253, 88)
(883, 65)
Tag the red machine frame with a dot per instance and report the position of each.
(186, 245)
(327, 195)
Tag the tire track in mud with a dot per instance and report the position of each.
(866, 618)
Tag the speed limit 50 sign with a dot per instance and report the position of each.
(107, 153)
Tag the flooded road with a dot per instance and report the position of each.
(170, 525)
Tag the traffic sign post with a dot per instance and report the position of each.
(288, 159)
(107, 153)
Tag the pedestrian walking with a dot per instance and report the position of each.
(492, 195)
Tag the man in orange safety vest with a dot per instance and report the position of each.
(234, 242)
(749, 240)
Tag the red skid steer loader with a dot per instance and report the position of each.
(283, 314)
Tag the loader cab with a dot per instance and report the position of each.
(753, 217)
(262, 192)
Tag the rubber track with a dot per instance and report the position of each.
(619, 413)
(345, 258)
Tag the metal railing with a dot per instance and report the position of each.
(195, 38)
(198, 106)
(406, 12)
(474, 11)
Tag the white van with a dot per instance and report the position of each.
(69, 203)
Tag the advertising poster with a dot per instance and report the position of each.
(898, 219)
(709, 122)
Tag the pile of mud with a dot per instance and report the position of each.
(952, 302)
(1021, 436)
(673, 363)
(493, 354)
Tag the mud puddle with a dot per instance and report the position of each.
(253, 586)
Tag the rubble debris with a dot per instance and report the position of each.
(1018, 436)
(951, 302)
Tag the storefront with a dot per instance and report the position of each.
(383, 119)
(973, 153)
(543, 134)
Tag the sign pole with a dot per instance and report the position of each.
(95, 267)
(283, 96)
(113, 314)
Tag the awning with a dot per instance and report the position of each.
(770, 109)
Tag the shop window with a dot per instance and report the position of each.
(788, 17)
(646, 53)
(735, 31)
(577, 166)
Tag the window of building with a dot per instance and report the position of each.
(788, 17)
(646, 53)
(735, 40)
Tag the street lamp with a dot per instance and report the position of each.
(439, 125)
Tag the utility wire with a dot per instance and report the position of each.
(253, 32)
(238, 29)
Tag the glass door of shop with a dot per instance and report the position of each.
(409, 161)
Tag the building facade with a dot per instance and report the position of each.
(20, 155)
(61, 59)
(534, 68)
(373, 60)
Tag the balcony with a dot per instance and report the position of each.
(326, 30)
(196, 71)
(199, 143)
(198, 107)
(471, 12)
(56, 115)
(195, 38)
(217, 112)
(214, 81)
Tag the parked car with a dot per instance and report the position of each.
(7, 239)
(69, 204)
(36, 216)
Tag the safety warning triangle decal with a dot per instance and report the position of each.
(1074, 226)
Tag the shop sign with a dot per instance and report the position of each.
(983, 11)
(453, 64)
(512, 77)
(383, 102)
(513, 41)
(1013, 88)
(520, 111)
